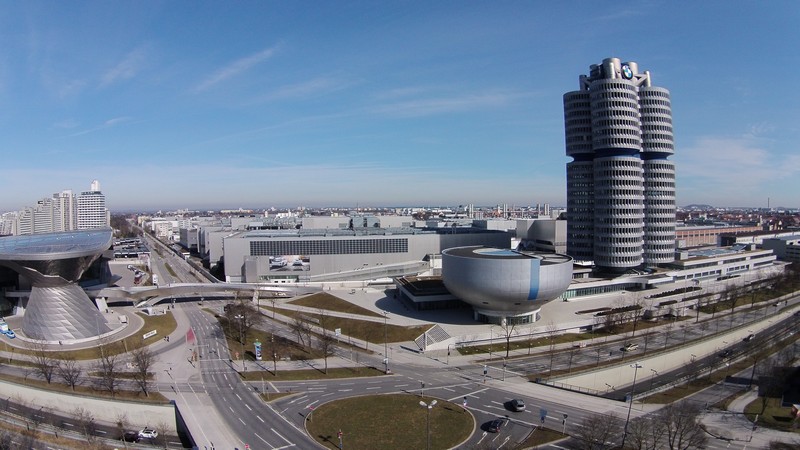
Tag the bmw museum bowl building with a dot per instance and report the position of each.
(503, 284)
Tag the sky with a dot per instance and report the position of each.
(258, 104)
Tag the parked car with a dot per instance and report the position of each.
(130, 436)
(518, 404)
(10, 334)
(630, 347)
(496, 425)
(148, 433)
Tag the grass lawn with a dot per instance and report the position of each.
(330, 302)
(774, 416)
(163, 324)
(57, 386)
(541, 436)
(389, 421)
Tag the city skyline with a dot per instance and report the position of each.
(208, 105)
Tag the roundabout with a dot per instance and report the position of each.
(390, 421)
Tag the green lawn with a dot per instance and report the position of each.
(389, 421)
(330, 302)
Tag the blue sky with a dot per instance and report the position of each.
(319, 103)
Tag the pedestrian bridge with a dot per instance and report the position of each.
(143, 296)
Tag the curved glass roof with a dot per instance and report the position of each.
(60, 245)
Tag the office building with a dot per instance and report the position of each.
(620, 183)
(91, 209)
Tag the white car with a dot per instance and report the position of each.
(148, 433)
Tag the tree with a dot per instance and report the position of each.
(70, 371)
(300, 328)
(508, 330)
(43, 361)
(327, 346)
(240, 319)
(683, 430)
(598, 430)
(85, 422)
(108, 368)
(552, 332)
(645, 433)
(143, 360)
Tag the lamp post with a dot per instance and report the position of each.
(652, 378)
(428, 422)
(385, 342)
(240, 318)
(636, 368)
(448, 353)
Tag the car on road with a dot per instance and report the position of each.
(148, 433)
(130, 436)
(496, 425)
(630, 347)
(518, 404)
(725, 353)
(749, 337)
(10, 334)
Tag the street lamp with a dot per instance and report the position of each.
(385, 342)
(636, 368)
(240, 318)
(428, 422)
(653, 378)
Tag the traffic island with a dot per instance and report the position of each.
(390, 421)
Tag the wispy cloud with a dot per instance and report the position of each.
(130, 65)
(235, 68)
(440, 105)
(107, 124)
(316, 86)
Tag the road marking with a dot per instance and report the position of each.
(345, 390)
(240, 420)
(248, 407)
(262, 439)
(375, 387)
(259, 418)
(469, 394)
(281, 436)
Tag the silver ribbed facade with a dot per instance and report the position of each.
(620, 184)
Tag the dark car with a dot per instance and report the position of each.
(749, 337)
(725, 354)
(496, 425)
(517, 404)
(130, 436)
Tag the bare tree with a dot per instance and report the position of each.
(70, 371)
(164, 430)
(43, 361)
(240, 319)
(7, 440)
(637, 306)
(300, 328)
(84, 419)
(143, 360)
(645, 433)
(508, 330)
(668, 328)
(122, 422)
(108, 369)
(552, 332)
(327, 346)
(683, 430)
(598, 430)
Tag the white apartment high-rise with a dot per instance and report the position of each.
(91, 211)
(620, 183)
